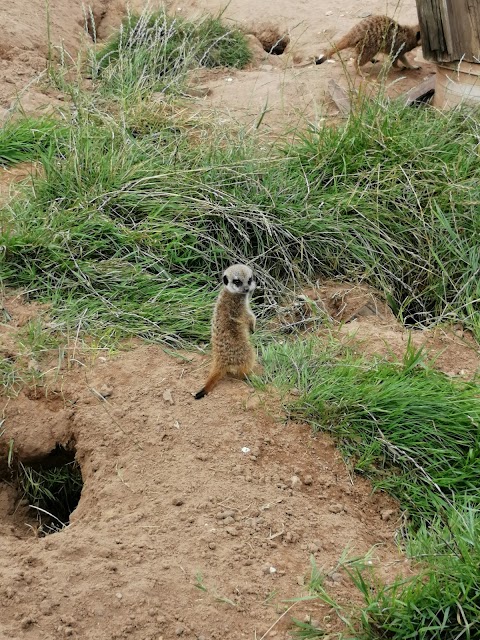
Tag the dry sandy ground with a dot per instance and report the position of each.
(170, 501)
(178, 532)
(275, 89)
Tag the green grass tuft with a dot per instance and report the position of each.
(413, 430)
(54, 492)
(393, 199)
(154, 52)
(25, 138)
(442, 601)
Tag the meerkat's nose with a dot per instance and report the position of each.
(246, 289)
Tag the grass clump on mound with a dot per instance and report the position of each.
(130, 233)
(154, 51)
(390, 416)
(416, 434)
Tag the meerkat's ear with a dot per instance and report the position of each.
(225, 280)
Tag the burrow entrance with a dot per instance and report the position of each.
(41, 494)
(272, 40)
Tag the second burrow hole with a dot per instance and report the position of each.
(46, 490)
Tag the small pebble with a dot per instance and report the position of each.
(335, 508)
(387, 514)
(177, 502)
(105, 391)
(26, 622)
(222, 515)
(295, 482)
(167, 396)
(308, 480)
(252, 403)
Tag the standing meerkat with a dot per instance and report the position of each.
(377, 34)
(232, 323)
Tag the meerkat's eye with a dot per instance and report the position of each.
(237, 283)
(250, 280)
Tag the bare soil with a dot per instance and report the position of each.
(197, 519)
(178, 530)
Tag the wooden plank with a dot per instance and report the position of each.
(340, 97)
(431, 26)
(450, 29)
(420, 92)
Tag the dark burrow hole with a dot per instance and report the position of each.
(273, 41)
(93, 20)
(48, 488)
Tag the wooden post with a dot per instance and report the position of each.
(451, 38)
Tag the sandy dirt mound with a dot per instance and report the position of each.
(178, 531)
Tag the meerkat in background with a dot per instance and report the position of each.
(377, 34)
(232, 323)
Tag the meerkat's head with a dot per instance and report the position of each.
(239, 279)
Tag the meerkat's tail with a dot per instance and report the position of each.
(343, 43)
(215, 376)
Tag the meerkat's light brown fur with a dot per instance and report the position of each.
(377, 34)
(232, 323)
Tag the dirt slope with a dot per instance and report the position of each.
(169, 500)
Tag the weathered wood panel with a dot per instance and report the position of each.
(450, 29)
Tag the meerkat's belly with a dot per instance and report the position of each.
(232, 349)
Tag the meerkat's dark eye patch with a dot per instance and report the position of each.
(225, 280)
(237, 283)
(250, 280)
